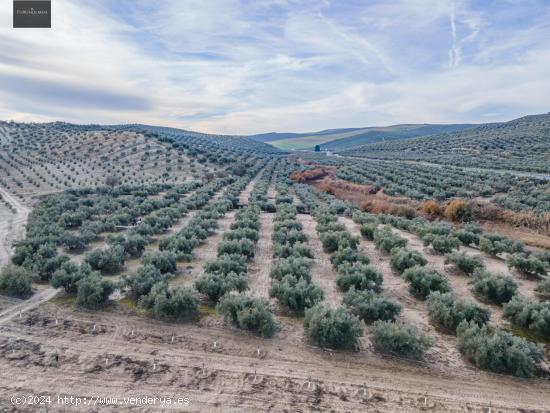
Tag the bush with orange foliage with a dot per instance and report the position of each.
(459, 210)
(431, 207)
(308, 175)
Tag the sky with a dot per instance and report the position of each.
(245, 67)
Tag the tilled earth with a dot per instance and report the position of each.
(117, 353)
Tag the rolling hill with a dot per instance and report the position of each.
(341, 139)
(42, 158)
(521, 144)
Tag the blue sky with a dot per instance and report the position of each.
(242, 67)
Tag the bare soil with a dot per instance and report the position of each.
(444, 352)
(127, 355)
(322, 273)
(12, 225)
(259, 269)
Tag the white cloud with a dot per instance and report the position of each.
(232, 67)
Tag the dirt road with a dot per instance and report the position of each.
(22, 307)
(12, 226)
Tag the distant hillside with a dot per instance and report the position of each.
(240, 144)
(41, 158)
(521, 144)
(391, 133)
(340, 139)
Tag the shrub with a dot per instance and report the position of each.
(179, 303)
(370, 306)
(492, 248)
(69, 275)
(464, 262)
(530, 266)
(333, 240)
(226, 264)
(501, 352)
(247, 313)
(431, 207)
(93, 292)
(443, 244)
(494, 244)
(135, 245)
(360, 276)
(165, 261)
(216, 285)
(347, 255)
(295, 294)
(402, 339)
(496, 289)
(142, 281)
(296, 251)
(334, 328)
(73, 242)
(533, 316)
(425, 280)
(107, 261)
(459, 210)
(15, 281)
(242, 233)
(181, 245)
(447, 312)
(386, 240)
(467, 237)
(544, 256)
(543, 290)
(402, 258)
(242, 247)
(289, 236)
(297, 267)
(367, 230)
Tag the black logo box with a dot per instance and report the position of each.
(32, 14)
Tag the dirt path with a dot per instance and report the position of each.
(12, 226)
(243, 197)
(260, 267)
(208, 251)
(322, 273)
(24, 306)
(444, 352)
(111, 361)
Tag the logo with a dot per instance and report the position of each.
(32, 14)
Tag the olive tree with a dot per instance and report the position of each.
(371, 306)
(93, 292)
(498, 350)
(447, 312)
(333, 328)
(248, 313)
(401, 339)
(15, 281)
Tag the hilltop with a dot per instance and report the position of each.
(520, 144)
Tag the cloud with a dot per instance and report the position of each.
(244, 67)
